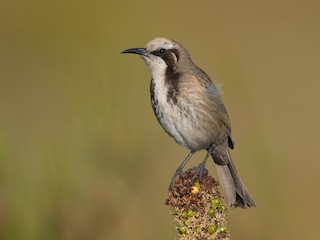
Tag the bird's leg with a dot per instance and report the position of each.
(200, 169)
(179, 170)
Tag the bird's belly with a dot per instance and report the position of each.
(188, 130)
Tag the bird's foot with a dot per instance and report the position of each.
(174, 177)
(200, 170)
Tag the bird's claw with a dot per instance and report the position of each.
(200, 170)
(174, 178)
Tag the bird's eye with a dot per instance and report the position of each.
(162, 50)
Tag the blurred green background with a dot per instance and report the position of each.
(83, 157)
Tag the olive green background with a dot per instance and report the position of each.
(83, 157)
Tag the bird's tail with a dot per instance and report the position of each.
(236, 193)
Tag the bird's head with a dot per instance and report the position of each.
(161, 53)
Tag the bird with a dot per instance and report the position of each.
(189, 107)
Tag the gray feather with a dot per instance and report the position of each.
(236, 193)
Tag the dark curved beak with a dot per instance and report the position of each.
(139, 51)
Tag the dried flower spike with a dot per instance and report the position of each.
(198, 208)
